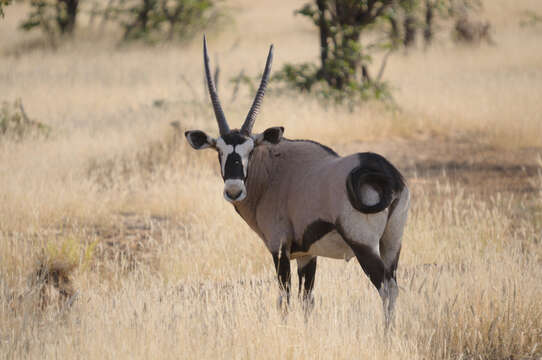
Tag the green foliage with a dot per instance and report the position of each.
(41, 15)
(71, 250)
(2, 4)
(408, 17)
(530, 19)
(59, 15)
(304, 77)
(155, 20)
(345, 55)
(343, 73)
(54, 18)
(15, 124)
(149, 20)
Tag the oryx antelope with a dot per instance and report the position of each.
(304, 200)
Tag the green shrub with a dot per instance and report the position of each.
(54, 18)
(15, 124)
(155, 20)
(343, 73)
(2, 4)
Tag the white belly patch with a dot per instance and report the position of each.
(332, 246)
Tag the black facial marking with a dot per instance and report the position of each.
(370, 262)
(282, 265)
(234, 167)
(306, 276)
(234, 137)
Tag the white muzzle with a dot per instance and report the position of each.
(234, 190)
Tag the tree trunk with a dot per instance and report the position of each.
(428, 27)
(143, 18)
(394, 33)
(66, 15)
(352, 58)
(141, 22)
(410, 31)
(324, 35)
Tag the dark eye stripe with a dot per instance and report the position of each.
(234, 167)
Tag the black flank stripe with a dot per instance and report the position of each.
(314, 232)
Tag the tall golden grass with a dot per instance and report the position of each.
(164, 268)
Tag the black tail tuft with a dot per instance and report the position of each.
(380, 174)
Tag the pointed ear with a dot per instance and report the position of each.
(272, 135)
(199, 140)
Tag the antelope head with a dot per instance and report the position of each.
(235, 146)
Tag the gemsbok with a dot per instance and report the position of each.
(304, 200)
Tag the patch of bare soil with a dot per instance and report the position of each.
(124, 242)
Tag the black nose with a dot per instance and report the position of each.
(234, 194)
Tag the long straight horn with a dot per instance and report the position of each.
(220, 118)
(251, 116)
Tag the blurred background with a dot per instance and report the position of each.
(115, 241)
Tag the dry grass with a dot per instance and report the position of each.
(493, 91)
(166, 269)
(470, 287)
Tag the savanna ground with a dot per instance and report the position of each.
(158, 265)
